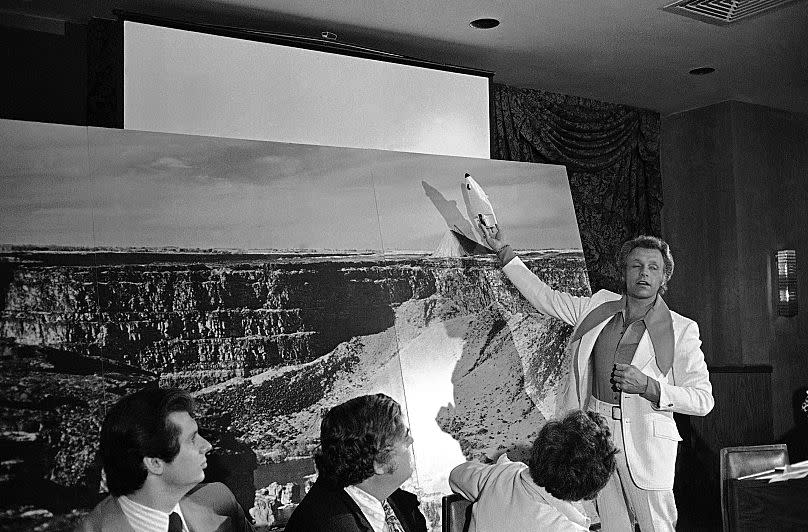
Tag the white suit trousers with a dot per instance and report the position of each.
(621, 503)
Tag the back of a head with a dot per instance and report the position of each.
(573, 458)
(137, 426)
(356, 433)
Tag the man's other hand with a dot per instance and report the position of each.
(627, 378)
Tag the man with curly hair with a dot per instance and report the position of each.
(636, 362)
(364, 458)
(571, 460)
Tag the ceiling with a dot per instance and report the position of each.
(623, 51)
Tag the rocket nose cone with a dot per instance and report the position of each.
(468, 175)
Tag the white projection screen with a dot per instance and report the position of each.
(180, 81)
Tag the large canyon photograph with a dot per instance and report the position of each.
(272, 281)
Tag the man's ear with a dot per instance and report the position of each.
(153, 465)
(379, 468)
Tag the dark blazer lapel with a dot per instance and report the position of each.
(406, 507)
(401, 513)
(361, 521)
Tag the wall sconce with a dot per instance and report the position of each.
(787, 282)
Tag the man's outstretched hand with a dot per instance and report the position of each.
(493, 236)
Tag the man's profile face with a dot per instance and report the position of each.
(400, 459)
(645, 271)
(187, 469)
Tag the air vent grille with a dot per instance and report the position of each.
(723, 12)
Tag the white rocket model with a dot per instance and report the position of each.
(477, 205)
(465, 237)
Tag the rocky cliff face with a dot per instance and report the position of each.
(201, 323)
(204, 322)
(266, 342)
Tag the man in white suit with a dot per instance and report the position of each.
(634, 361)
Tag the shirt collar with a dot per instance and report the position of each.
(145, 519)
(658, 323)
(370, 506)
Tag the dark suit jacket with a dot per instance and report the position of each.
(206, 508)
(328, 508)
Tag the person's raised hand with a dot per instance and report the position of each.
(493, 236)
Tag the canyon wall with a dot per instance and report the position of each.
(265, 343)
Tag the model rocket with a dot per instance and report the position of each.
(477, 205)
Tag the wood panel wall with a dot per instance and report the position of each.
(742, 416)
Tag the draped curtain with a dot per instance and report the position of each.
(612, 157)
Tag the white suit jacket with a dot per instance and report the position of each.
(649, 431)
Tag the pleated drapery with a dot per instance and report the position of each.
(612, 157)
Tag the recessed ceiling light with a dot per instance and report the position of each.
(702, 71)
(484, 23)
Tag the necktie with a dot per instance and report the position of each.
(174, 522)
(393, 524)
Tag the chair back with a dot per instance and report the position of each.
(739, 461)
(455, 513)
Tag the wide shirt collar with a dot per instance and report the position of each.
(658, 323)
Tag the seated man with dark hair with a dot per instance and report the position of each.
(571, 460)
(154, 459)
(363, 460)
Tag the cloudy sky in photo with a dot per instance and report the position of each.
(68, 185)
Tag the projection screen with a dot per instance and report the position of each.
(180, 81)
